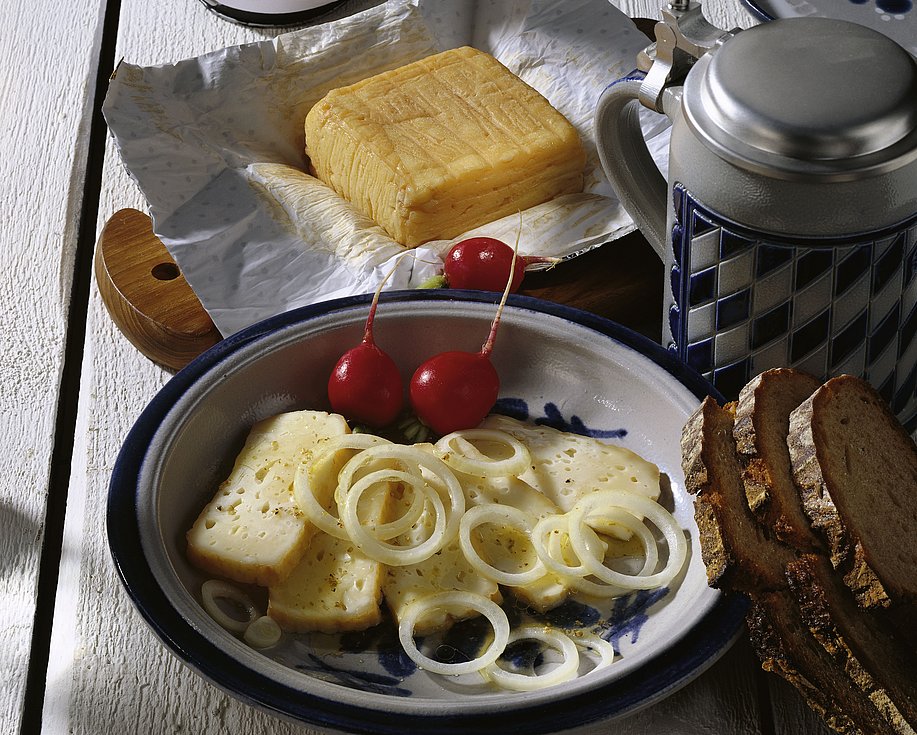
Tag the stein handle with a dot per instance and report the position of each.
(627, 162)
(682, 36)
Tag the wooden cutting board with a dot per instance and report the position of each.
(146, 294)
(150, 301)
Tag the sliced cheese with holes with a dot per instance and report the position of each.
(445, 570)
(335, 587)
(440, 146)
(566, 466)
(252, 531)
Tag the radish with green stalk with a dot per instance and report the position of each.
(483, 264)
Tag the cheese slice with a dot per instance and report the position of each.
(566, 466)
(252, 531)
(446, 570)
(335, 587)
(443, 145)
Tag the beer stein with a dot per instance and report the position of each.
(788, 223)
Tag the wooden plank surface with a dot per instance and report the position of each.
(108, 672)
(42, 154)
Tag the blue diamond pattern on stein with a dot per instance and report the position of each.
(744, 302)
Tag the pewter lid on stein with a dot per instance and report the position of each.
(807, 97)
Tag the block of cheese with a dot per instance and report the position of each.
(442, 145)
(446, 570)
(334, 588)
(252, 530)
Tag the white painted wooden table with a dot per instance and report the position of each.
(75, 656)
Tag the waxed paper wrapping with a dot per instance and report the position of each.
(216, 145)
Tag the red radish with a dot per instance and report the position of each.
(484, 263)
(365, 385)
(456, 390)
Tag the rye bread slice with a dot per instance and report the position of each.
(879, 664)
(868, 646)
(769, 620)
(761, 426)
(742, 558)
(856, 470)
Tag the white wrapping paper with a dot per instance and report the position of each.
(216, 145)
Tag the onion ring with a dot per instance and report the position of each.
(215, 589)
(488, 608)
(635, 504)
(526, 683)
(508, 516)
(458, 451)
(380, 550)
(585, 640)
(304, 495)
(262, 633)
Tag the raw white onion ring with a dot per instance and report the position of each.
(467, 458)
(508, 516)
(412, 457)
(488, 608)
(635, 504)
(620, 517)
(558, 640)
(214, 589)
(546, 538)
(263, 632)
(379, 550)
(404, 523)
(592, 642)
(303, 495)
(305, 499)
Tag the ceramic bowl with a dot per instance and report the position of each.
(557, 366)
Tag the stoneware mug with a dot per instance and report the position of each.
(788, 224)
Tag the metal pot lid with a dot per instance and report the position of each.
(807, 96)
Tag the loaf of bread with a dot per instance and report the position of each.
(856, 469)
(252, 531)
(804, 623)
(442, 145)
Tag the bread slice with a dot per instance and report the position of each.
(881, 665)
(736, 549)
(769, 619)
(856, 469)
(252, 531)
(443, 145)
(862, 644)
(743, 557)
(761, 426)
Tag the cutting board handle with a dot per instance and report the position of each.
(147, 295)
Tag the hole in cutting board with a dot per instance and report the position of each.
(165, 272)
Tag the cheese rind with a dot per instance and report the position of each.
(443, 145)
(252, 530)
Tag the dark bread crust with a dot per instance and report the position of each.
(743, 558)
(879, 664)
(762, 422)
(738, 554)
(773, 648)
(856, 470)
